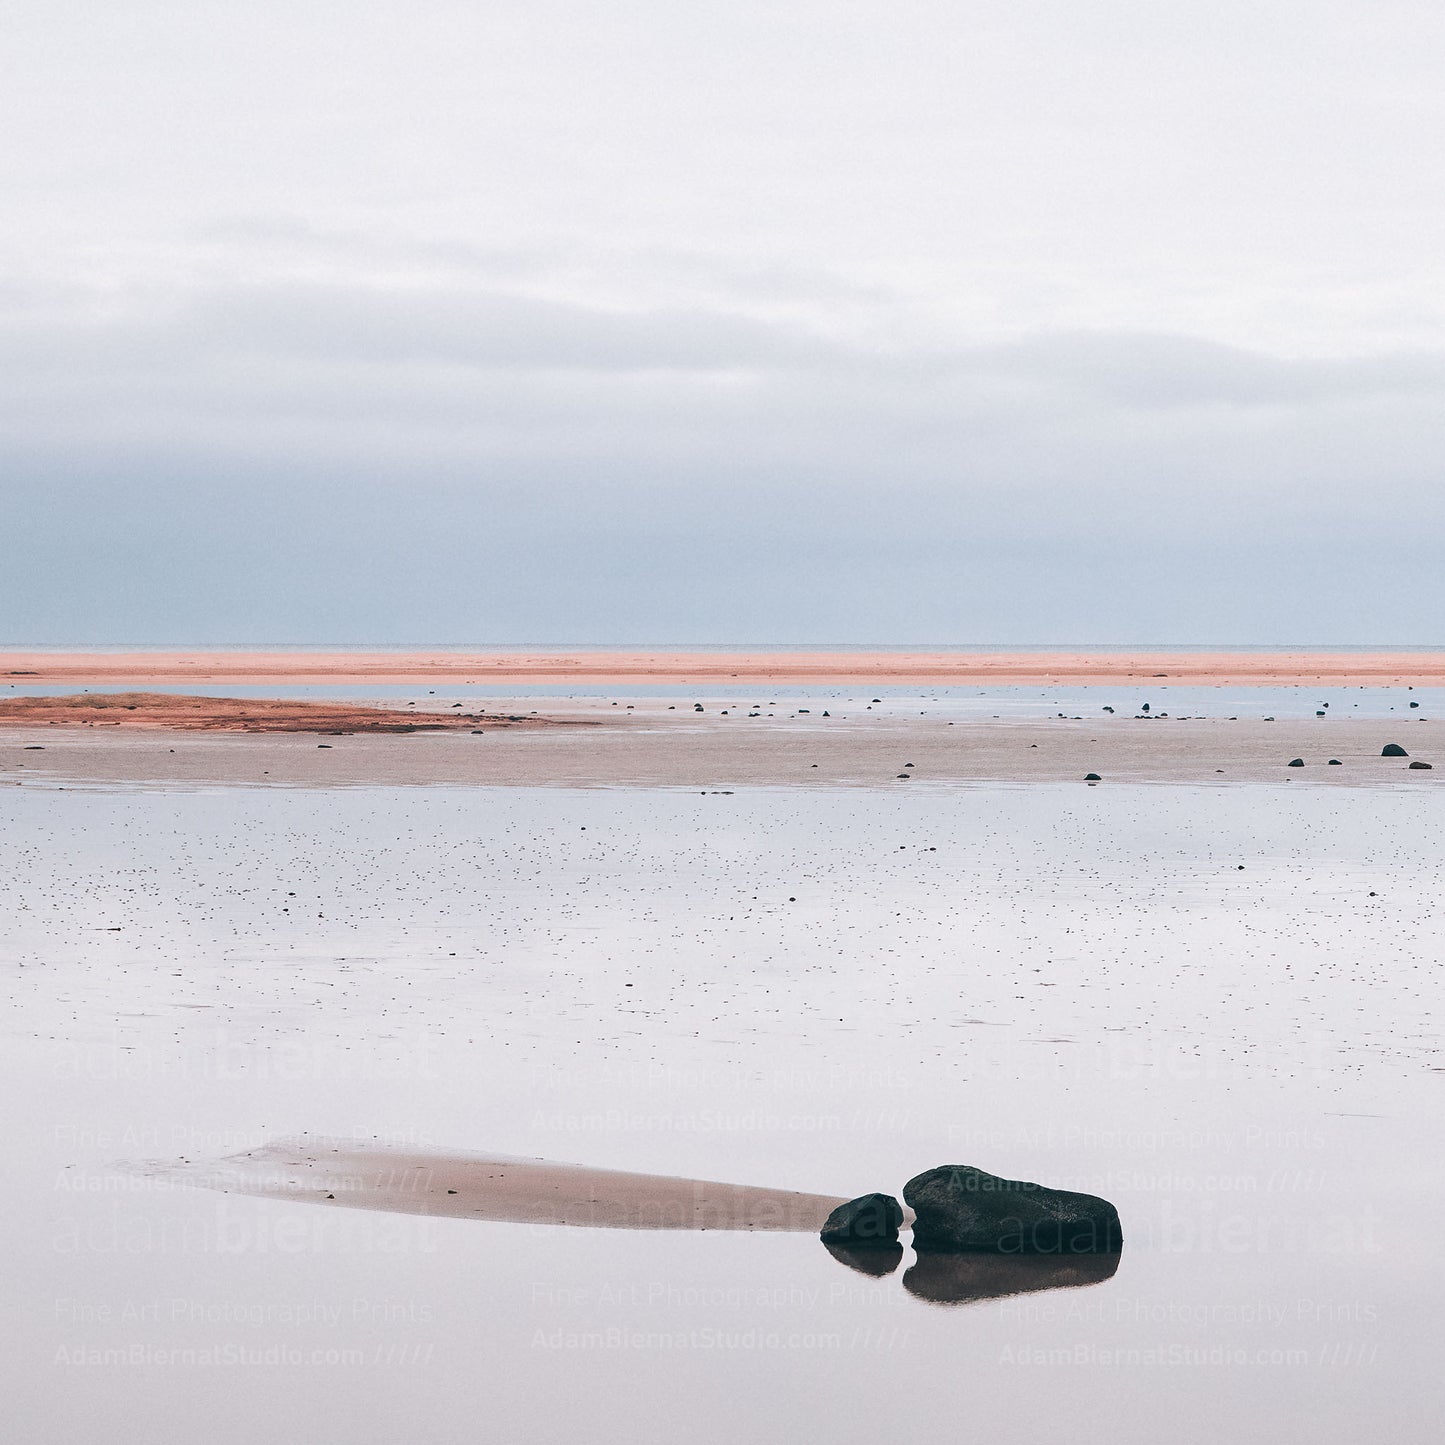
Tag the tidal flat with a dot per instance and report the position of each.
(1219, 1006)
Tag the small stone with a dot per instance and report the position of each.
(1334, 763)
(1092, 778)
(870, 1219)
(1393, 750)
(1295, 763)
(1418, 764)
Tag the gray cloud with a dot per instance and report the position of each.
(934, 322)
(337, 374)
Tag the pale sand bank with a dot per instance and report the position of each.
(144, 669)
(459, 1185)
(708, 753)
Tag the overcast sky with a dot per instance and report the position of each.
(1089, 321)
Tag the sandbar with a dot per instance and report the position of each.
(499, 1187)
(618, 668)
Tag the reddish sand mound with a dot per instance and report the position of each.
(247, 715)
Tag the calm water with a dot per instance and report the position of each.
(1221, 1008)
(908, 700)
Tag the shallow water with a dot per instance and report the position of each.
(825, 991)
(907, 700)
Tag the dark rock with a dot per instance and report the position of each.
(1334, 763)
(875, 1260)
(869, 1219)
(1295, 763)
(951, 1279)
(1418, 764)
(1414, 704)
(1393, 750)
(963, 1210)
(1092, 778)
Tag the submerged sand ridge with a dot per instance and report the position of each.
(812, 666)
(251, 715)
(498, 1187)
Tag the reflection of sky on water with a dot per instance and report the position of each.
(1079, 986)
(960, 702)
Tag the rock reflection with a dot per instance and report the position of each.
(952, 1279)
(876, 1260)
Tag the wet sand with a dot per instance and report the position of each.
(616, 669)
(653, 747)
